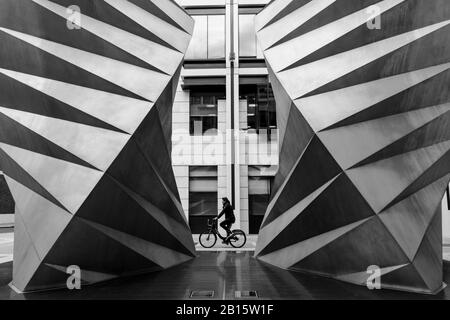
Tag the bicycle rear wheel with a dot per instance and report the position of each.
(207, 239)
(238, 239)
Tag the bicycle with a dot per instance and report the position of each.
(209, 238)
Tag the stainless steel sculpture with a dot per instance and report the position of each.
(363, 101)
(6, 201)
(86, 92)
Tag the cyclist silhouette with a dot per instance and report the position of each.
(227, 210)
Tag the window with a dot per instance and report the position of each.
(203, 110)
(248, 45)
(261, 111)
(202, 196)
(258, 200)
(208, 38)
(197, 47)
(216, 37)
(247, 38)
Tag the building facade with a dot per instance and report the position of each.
(225, 138)
(224, 120)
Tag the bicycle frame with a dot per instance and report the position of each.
(236, 236)
(213, 228)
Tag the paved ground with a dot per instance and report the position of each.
(221, 272)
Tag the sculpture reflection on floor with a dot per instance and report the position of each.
(86, 89)
(364, 127)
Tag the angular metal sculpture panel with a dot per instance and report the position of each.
(6, 200)
(363, 107)
(86, 93)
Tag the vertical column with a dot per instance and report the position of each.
(181, 145)
(229, 149)
(232, 80)
(244, 198)
(236, 117)
(243, 161)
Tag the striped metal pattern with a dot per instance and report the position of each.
(364, 117)
(86, 93)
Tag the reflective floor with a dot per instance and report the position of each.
(224, 273)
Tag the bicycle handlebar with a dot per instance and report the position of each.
(210, 222)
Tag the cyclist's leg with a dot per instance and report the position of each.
(226, 226)
(231, 224)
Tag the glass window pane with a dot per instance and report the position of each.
(247, 37)
(203, 171)
(258, 194)
(258, 200)
(216, 37)
(257, 185)
(204, 184)
(259, 52)
(202, 204)
(202, 196)
(203, 111)
(261, 109)
(198, 46)
(258, 204)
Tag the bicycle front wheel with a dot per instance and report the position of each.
(207, 240)
(238, 239)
